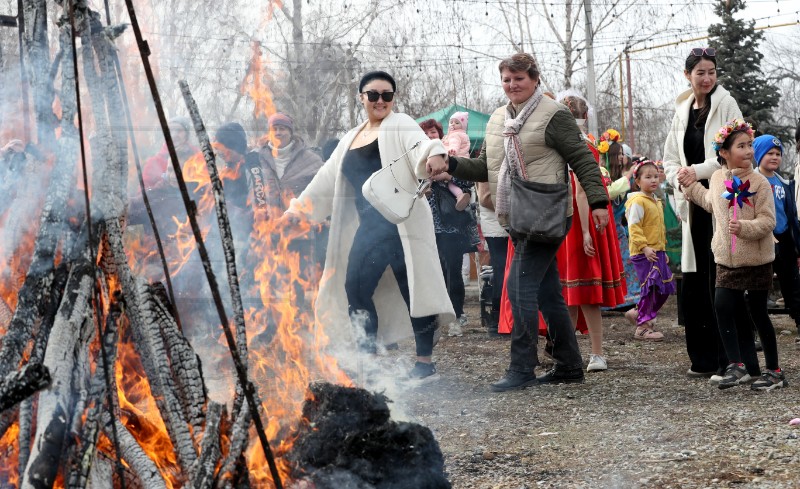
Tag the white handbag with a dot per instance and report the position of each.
(388, 194)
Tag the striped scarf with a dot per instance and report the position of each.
(514, 160)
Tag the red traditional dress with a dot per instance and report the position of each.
(597, 280)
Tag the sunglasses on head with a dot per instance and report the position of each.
(373, 96)
(703, 52)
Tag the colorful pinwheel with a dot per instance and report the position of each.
(737, 192)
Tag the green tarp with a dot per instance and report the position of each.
(476, 128)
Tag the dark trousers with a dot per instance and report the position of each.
(374, 249)
(451, 254)
(533, 283)
(785, 265)
(736, 328)
(703, 343)
(498, 253)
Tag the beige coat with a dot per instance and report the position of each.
(723, 109)
(754, 244)
(330, 194)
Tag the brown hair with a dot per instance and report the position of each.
(615, 168)
(431, 123)
(576, 105)
(521, 63)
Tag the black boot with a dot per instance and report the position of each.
(514, 380)
(494, 324)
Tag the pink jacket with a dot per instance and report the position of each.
(457, 143)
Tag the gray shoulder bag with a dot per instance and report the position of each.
(538, 211)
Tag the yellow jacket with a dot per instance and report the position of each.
(645, 217)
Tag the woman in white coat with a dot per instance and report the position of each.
(689, 157)
(380, 277)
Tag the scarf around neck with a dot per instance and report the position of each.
(514, 160)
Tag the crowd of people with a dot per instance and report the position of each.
(380, 278)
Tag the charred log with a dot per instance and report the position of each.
(234, 461)
(38, 56)
(347, 439)
(210, 451)
(22, 384)
(81, 461)
(185, 365)
(138, 461)
(56, 404)
(39, 280)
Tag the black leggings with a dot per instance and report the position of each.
(736, 328)
(374, 249)
(451, 256)
(498, 252)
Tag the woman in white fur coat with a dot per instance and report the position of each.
(383, 278)
(689, 157)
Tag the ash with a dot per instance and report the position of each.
(348, 441)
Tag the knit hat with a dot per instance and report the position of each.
(232, 136)
(462, 117)
(762, 145)
(278, 119)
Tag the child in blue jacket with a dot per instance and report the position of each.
(768, 152)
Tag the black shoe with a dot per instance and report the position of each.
(423, 372)
(514, 381)
(562, 375)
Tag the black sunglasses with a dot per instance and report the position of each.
(373, 96)
(711, 52)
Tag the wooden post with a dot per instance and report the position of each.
(631, 137)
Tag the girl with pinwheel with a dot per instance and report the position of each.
(741, 203)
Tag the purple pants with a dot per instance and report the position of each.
(657, 285)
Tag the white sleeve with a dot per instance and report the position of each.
(634, 214)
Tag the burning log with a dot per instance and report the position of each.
(347, 439)
(185, 365)
(18, 386)
(5, 315)
(153, 352)
(56, 405)
(39, 280)
(81, 464)
(134, 456)
(210, 451)
(239, 438)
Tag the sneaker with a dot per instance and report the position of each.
(597, 363)
(770, 379)
(734, 375)
(423, 371)
(643, 333)
(562, 375)
(513, 381)
(717, 377)
(694, 374)
(455, 329)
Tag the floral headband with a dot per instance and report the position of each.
(735, 125)
(638, 166)
(608, 137)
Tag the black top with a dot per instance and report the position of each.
(694, 142)
(358, 165)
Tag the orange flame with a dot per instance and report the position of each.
(256, 86)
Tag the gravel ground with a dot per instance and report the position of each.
(642, 423)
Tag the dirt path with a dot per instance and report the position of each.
(642, 423)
